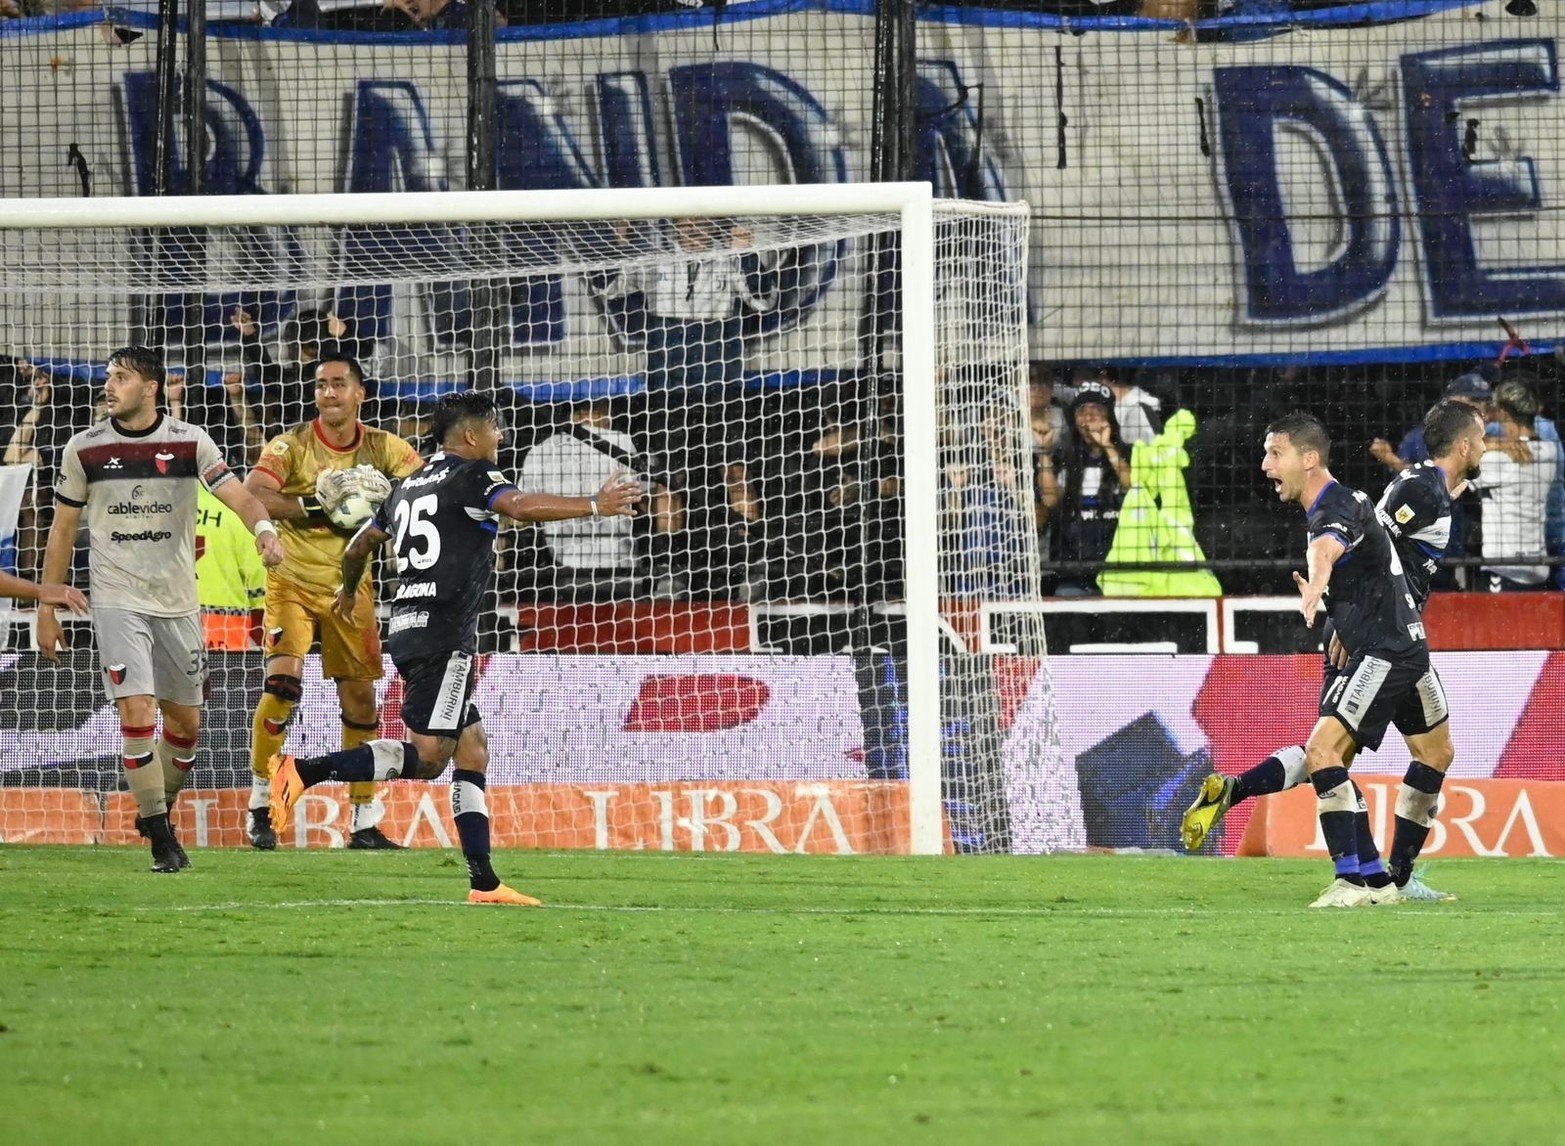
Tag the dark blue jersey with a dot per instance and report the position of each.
(1416, 512)
(442, 524)
(1368, 601)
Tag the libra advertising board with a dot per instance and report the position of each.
(736, 752)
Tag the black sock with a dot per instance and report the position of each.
(1262, 780)
(347, 766)
(1334, 791)
(471, 813)
(1371, 869)
(1416, 802)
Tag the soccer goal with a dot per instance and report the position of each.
(822, 388)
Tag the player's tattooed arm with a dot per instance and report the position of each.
(1323, 554)
(355, 559)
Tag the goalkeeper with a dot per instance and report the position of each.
(304, 476)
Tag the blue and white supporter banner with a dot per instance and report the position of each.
(1330, 193)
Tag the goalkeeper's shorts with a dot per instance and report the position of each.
(295, 616)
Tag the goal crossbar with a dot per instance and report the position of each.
(465, 206)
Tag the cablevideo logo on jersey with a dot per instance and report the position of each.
(134, 509)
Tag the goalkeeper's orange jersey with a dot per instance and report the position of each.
(294, 459)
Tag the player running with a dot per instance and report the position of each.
(1416, 511)
(135, 476)
(442, 524)
(299, 473)
(1355, 571)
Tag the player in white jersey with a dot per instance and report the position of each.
(135, 475)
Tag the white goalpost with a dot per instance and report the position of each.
(823, 387)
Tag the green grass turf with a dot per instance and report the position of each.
(347, 998)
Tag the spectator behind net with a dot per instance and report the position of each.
(1514, 480)
(590, 553)
(1138, 413)
(1084, 488)
(438, 15)
(54, 408)
(690, 303)
(287, 390)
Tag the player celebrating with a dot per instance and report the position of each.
(1416, 511)
(300, 477)
(443, 521)
(1373, 615)
(135, 476)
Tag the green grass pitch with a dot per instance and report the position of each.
(351, 998)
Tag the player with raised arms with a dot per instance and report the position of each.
(1416, 511)
(134, 475)
(442, 524)
(307, 478)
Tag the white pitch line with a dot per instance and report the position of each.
(1062, 912)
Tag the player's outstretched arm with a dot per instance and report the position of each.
(56, 562)
(620, 496)
(25, 590)
(355, 559)
(281, 506)
(250, 510)
(1323, 554)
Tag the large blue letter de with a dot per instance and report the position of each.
(1450, 188)
(1252, 104)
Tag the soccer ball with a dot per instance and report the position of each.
(351, 497)
(352, 511)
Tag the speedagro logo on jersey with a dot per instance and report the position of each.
(144, 535)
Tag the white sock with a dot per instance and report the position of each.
(391, 758)
(260, 791)
(366, 816)
(1294, 772)
(468, 798)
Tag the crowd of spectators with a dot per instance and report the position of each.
(796, 493)
(1507, 526)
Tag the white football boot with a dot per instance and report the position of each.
(1341, 893)
(1380, 896)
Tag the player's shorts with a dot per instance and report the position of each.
(1372, 694)
(437, 694)
(143, 655)
(296, 614)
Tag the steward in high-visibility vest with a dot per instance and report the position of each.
(1156, 523)
(230, 579)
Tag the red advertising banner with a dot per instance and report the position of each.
(802, 817)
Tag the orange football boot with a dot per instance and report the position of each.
(286, 790)
(502, 896)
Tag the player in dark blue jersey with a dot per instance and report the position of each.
(1416, 512)
(1356, 573)
(442, 523)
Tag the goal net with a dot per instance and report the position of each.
(823, 389)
